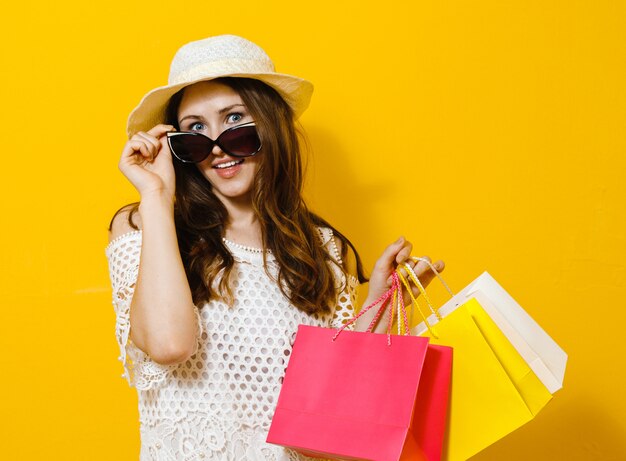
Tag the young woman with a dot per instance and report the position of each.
(221, 260)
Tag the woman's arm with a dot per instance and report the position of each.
(162, 316)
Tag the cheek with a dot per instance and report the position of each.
(255, 171)
(205, 169)
(254, 163)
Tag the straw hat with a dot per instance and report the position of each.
(214, 57)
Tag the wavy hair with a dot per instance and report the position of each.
(288, 228)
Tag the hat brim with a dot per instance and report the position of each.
(151, 110)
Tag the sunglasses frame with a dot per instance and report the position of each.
(216, 142)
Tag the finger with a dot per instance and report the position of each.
(154, 142)
(159, 130)
(429, 275)
(385, 261)
(138, 147)
(404, 253)
(426, 275)
(164, 147)
(421, 266)
(148, 146)
(406, 297)
(411, 263)
(413, 269)
(439, 265)
(403, 272)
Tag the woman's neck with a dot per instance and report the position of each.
(242, 226)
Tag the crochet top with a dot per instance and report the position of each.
(218, 404)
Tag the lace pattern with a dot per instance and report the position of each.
(218, 404)
(199, 437)
(123, 256)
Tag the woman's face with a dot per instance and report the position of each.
(210, 108)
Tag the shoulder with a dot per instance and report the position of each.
(335, 247)
(325, 235)
(125, 220)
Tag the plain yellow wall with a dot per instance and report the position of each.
(490, 133)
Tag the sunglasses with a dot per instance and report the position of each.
(238, 141)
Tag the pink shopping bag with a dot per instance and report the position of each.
(361, 395)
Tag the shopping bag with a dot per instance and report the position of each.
(494, 390)
(353, 395)
(538, 349)
(428, 430)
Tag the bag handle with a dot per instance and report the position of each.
(398, 303)
(392, 296)
(415, 280)
(413, 277)
(382, 300)
(403, 322)
(435, 271)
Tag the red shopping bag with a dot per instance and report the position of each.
(360, 395)
(431, 406)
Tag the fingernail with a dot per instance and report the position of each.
(400, 240)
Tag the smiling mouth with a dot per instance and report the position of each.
(221, 166)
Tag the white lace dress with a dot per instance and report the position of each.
(218, 404)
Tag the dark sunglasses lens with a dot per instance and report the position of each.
(241, 142)
(191, 147)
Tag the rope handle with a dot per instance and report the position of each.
(436, 272)
(393, 298)
(374, 321)
(402, 308)
(414, 301)
(415, 279)
(398, 304)
(382, 300)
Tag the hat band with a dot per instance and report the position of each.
(220, 68)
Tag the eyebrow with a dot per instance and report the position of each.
(228, 108)
(221, 111)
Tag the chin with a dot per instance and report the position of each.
(233, 193)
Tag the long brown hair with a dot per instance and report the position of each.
(288, 228)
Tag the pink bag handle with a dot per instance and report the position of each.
(374, 321)
(381, 300)
(390, 295)
(398, 302)
(401, 307)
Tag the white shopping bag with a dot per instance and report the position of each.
(539, 350)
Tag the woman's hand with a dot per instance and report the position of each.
(147, 162)
(397, 253)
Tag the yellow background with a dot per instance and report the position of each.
(490, 133)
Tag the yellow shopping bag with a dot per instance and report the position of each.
(493, 390)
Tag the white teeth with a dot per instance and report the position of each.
(228, 164)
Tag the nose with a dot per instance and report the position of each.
(217, 151)
(214, 134)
